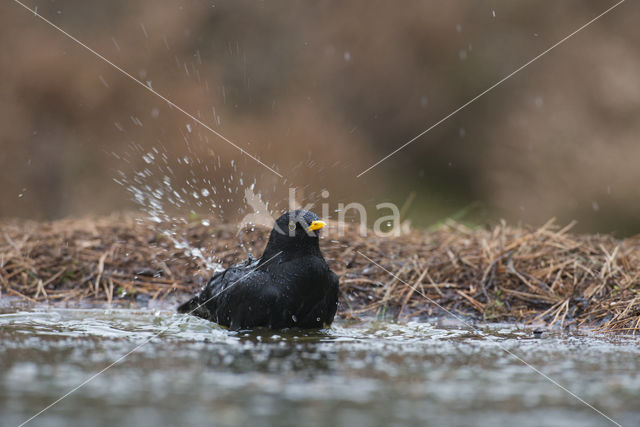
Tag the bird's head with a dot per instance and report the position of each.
(297, 229)
(299, 224)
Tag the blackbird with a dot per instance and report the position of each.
(291, 285)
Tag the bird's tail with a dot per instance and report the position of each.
(190, 305)
(194, 307)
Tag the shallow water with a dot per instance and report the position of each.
(192, 372)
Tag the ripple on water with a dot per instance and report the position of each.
(370, 372)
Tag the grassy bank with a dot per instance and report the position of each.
(500, 273)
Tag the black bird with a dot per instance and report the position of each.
(291, 285)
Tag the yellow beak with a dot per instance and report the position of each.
(316, 225)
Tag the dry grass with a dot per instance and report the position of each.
(499, 274)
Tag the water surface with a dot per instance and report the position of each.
(192, 372)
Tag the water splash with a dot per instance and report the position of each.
(182, 190)
(184, 184)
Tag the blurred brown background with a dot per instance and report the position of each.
(321, 90)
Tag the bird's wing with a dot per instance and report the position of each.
(255, 300)
(205, 302)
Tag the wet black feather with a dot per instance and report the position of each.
(291, 285)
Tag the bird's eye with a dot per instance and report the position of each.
(292, 225)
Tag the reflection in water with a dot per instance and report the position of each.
(355, 373)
